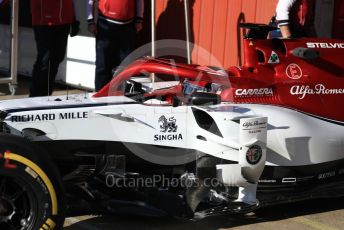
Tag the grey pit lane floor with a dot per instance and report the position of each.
(323, 214)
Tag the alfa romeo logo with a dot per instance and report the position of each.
(254, 154)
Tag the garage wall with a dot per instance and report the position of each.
(214, 25)
(214, 29)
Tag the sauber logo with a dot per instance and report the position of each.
(294, 71)
(303, 90)
(325, 45)
(260, 92)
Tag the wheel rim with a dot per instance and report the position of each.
(18, 204)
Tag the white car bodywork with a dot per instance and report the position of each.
(284, 136)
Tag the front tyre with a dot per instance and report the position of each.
(31, 192)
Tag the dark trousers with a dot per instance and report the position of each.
(51, 43)
(113, 44)
(306, 31)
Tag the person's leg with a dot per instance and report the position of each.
(39, 84)
(114, 58)
(103, 55)
(58, 52)
(127, 42)
(311, 31)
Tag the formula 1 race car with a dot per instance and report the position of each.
(183, 140)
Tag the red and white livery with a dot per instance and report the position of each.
(271, 130)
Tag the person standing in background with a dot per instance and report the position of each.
(52, 22)
(2, 2)
(115, 30)
(295, 18)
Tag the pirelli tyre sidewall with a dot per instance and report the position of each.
(27, 169)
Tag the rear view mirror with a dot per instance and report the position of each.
(202, 98)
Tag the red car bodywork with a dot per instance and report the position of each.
(271, 74)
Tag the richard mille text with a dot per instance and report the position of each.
(49, 117)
